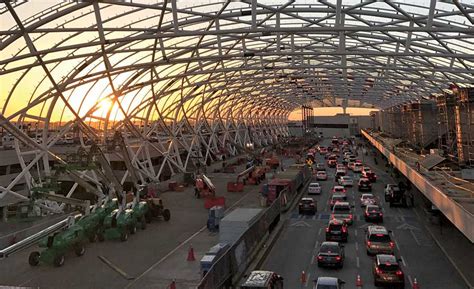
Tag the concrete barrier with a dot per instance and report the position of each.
(455, 212)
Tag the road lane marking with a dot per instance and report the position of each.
(403, 261)
(443, 250)
(396, 244)
(316, 245)
(358, 263)
(319, 232)
(357, 246)
(410, 280)
(355, 233)
(414, 237)
(116, 268)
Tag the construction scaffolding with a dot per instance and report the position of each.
(391, 121)
(464, 114)
(446, 103)
(406, 128)
(422, 121)
(414, 122)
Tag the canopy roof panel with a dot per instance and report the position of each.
(143, 59)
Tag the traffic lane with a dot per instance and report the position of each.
(424, 261)
(290, 263)
(421, 257)
(293, 251)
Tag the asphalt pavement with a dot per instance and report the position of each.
(299, 242)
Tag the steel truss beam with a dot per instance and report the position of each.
(186, 82)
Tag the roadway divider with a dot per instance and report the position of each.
(235, 261)
(455, 212)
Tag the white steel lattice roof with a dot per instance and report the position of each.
(175, 59)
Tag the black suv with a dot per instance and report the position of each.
(337, 231)
(373, 213)
(387, 271)
(331, 254)
(307, 205)
(365, 185)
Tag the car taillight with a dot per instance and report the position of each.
(377, 270)
(392, 244)
(338, 258)
(350, 216)
(369, 243)
(399, 273)
(344, 230)
(327, 230)
(367, 213)
(380, 214)
(320, 257)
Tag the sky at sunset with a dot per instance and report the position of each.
(325, 111)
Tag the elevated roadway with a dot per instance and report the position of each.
(459, 211)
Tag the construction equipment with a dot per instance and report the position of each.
(93, 222)
(156, 210)
(272, 162)
(33, 239)
(257, 175)
(57, 244)
(238, 185)
(118, 225)
(205, 186)
(155, 207)
(123, 221)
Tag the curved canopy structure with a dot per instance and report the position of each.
(190, 79)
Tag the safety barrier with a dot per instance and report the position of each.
(458, 215)
(235, 260)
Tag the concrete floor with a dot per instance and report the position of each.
(299, 242)
(140, 256)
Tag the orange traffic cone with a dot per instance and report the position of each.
(191, 254)
(415, 284)
(172, 285)
(358, 281)
(303, 277)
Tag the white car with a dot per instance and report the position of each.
(367, 199)
(321, 176)
(346, 181)
(314, 188)
(340, 190)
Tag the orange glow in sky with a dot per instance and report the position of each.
(325, 111)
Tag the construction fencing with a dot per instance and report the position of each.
(235, 260)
